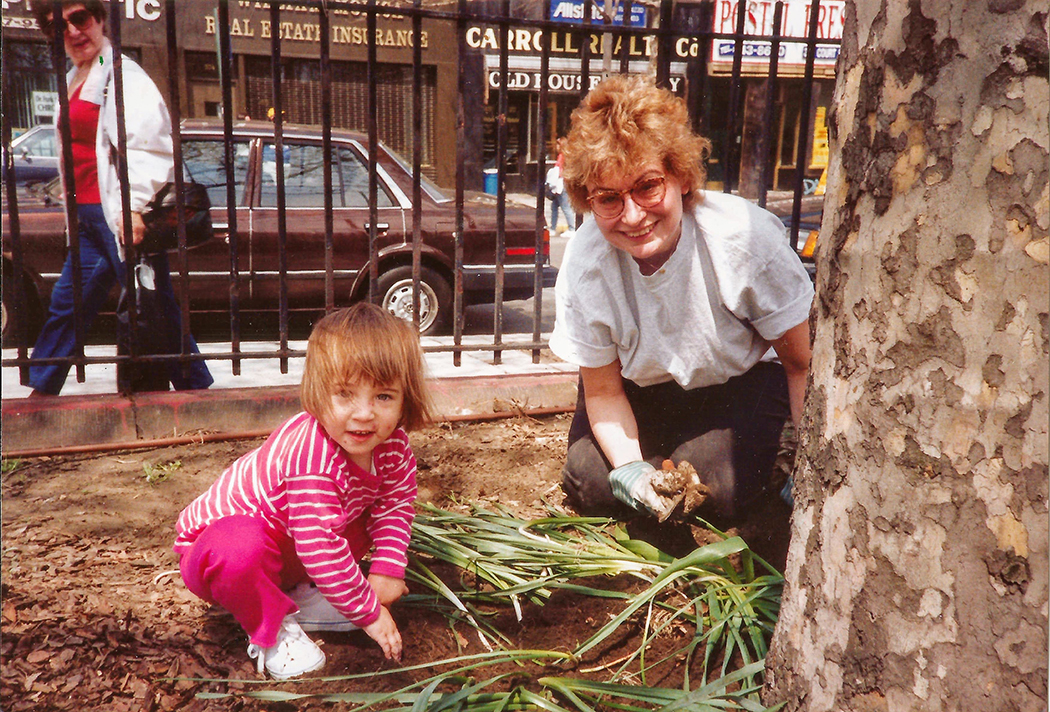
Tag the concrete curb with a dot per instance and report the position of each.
(37, 424)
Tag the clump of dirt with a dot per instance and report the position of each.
(679, 485)
(95, 616)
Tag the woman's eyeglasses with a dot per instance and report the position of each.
(646, 193)
(80, 19)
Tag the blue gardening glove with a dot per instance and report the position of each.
(787, 492)
(632, 485)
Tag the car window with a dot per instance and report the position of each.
(428, 186)
(204, 162)
(304, 178)
(40, 143)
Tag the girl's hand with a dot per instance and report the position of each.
(388, 588)
(384, 631)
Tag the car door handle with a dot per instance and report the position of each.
(380, 227)
(221, 231)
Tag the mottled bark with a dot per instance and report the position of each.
(918, 572)
(754, 130)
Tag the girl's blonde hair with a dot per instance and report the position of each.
(365, 341)
(625, 122)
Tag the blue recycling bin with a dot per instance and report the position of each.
(491, 181)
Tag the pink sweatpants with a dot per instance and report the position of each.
(245, 566)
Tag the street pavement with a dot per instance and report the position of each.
(90, 414)
(257, 372)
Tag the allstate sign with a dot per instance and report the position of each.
(573, 11)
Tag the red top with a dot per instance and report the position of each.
(83, 125)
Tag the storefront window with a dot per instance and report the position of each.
(202, 66)
(301, 99)
(30, 67)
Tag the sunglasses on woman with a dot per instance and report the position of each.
(646, 193)
(80, 19)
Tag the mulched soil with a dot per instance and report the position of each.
(94, 615)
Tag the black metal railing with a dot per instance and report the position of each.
(491, 14)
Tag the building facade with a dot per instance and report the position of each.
(699, 68)
(143, 33)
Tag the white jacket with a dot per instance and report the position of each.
(149, 150)
(555, 181)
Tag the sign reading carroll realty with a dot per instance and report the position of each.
(525, 41)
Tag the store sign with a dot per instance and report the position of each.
(16, 13)
(575, 11)
(531, 42)
(310, 32)
(19, 23)
(556, 81)
(758, 20)
(45, 103)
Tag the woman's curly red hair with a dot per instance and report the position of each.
(625, 122)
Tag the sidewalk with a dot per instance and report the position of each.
(91, 414)
(261, 397)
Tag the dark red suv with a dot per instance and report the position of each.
(255, 179)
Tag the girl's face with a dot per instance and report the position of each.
(362, 415)
(648, 234)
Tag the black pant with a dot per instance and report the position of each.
(729, 432)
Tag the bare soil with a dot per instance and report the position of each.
(95, 616)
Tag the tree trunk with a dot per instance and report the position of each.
(918, 571)
(754, 130)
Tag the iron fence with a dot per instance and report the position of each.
(660, 32)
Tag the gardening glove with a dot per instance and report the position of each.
(632, 485)
(787, 492)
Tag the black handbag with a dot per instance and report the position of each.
(161, 218)
(150, 332)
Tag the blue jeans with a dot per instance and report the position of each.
(561, 202)
(101, 268)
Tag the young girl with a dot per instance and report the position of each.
(276, 540)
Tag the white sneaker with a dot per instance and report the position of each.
(315, 612)
(293, 655)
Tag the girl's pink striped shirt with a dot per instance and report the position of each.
(303, 484)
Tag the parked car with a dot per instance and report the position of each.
(35, 155)
(255, 184)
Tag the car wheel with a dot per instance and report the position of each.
(435, 297)
(31, 315)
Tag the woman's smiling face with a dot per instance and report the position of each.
(647, 234)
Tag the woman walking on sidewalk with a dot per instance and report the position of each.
(555, 185)
(93, 132)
